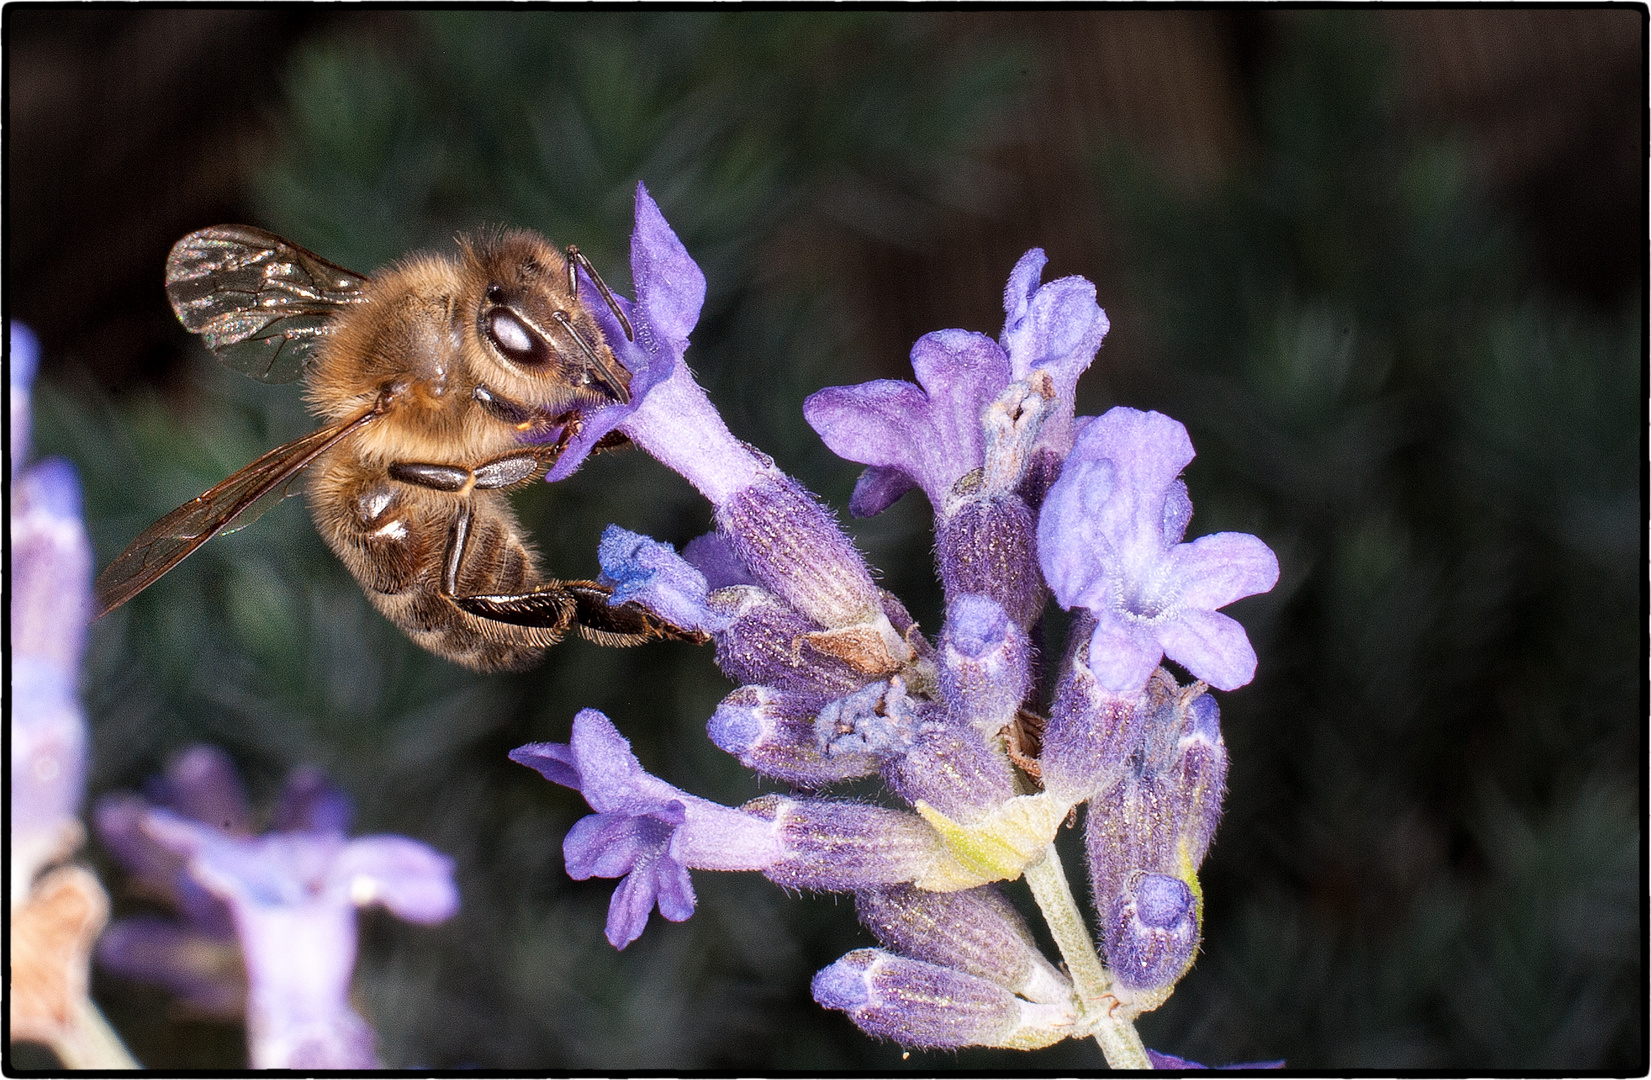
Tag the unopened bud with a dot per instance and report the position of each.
(922, 1004)
(984, 664)
(772, 731)
(976, 931)
(833, 846)
(1151, 931)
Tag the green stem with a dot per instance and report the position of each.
(1117, 1037)
(90, 1043)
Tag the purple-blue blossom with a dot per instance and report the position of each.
(835, 682)
(51, 605)
(929, 434)
(649, 834)
(1109, 541)
(291, 897)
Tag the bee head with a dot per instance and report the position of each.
(536, 340)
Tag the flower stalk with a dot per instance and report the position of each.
(1099, 1009)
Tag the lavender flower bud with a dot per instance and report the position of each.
(769, 643)
(1153, 829)
(773, 731)
(976, 931)
(952, 769)
(837, 846)
(988, 547)
(1152, 932)
(1091, 731)
(921, 1004)
(794, 546)
(985, 668)
(1200, 775)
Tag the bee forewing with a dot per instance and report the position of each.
(168, 541)
(262, 303)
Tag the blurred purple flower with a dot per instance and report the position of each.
(1109, 541)
(51, 605)
(291, 897)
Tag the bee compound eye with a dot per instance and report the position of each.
(515, 339)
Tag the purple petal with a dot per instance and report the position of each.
(670, 290)
(202, 783)
(652, 574)
(933, 434)
(670, 287)
(1211, 645)
(118, 820)
(554, 761)
(629, 907)
(413, 880)
(712, 555)
(869, 422)
(877, 489)
(1055, 329)
(204, 971)
(1072, 550)
(310, 803)
(1023, 284)
(1149, 450)
(1122, 656)
(1213, 571)
(611, 845)
(612, 780)
(676, 890)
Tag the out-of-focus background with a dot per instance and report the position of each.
(1385, 265)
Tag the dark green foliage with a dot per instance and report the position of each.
(1430, 857)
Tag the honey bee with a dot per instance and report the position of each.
(444, 383)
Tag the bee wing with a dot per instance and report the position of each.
(165, 544)
(262, 303)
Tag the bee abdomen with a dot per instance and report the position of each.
(394, 539)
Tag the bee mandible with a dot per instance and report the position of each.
(444, 383)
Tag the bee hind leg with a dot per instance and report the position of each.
(558, 606)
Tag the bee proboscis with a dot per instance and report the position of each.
(444, 383)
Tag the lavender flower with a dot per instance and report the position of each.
(930, 435)
(650, 834)
(292, 896)
(836, 682)
(56, 914)
(1109, 540)
(195, 957)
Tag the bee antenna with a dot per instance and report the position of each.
(576, 262)
(608, 378)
